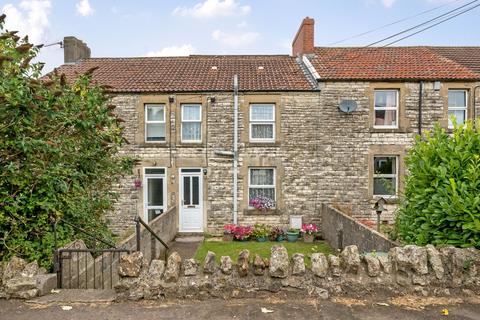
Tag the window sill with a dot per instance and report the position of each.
(153, 145)
(262, 144)
(388, 130)
(388, 199)
(191, 145)
(256, 212)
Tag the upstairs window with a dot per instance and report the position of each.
(262, 122)
(261, 183)
(385, 176)
(154, 122)
(191, 123)
(457, 106)
(386, 108)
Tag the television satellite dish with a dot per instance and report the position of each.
(348, 106)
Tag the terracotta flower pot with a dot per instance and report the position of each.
(308, 238)
(227, 237)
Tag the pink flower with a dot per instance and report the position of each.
(229, 228)
(309, 228)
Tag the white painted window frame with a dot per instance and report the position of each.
(378, 175)
(267, 122)
(375, 109)
(147, 176)
(464, 109)
(147, 122)
(191, 121)
(267, 186)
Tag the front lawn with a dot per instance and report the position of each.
(233, 248)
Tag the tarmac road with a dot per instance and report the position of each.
(274, 308)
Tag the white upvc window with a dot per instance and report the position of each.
(457, 106)
(261, 183)
(191, 123)
(154, 123)
(385, 176)
(262, 122)
(386, 109)
(155, 192)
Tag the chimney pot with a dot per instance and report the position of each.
(74, 50)
(303, 43)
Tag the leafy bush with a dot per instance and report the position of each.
(58, 154)
(261, 230)
(441, 204)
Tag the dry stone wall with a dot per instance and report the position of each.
(410, 269)
(22, 280)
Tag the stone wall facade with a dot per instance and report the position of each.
(416, 270)
(321, 155)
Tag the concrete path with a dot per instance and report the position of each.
(186, 246)
(271, 308)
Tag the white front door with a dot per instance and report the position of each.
(155, 193)
(191, 200)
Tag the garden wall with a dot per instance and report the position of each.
(19, 279)
(341, 230)
(409, 269)
(83, 271)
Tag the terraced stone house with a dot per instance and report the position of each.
(322, 125)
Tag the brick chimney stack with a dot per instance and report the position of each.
(74, 50)
(303, 42)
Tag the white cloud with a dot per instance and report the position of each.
(388, 3)
(183, 50)
(236, 40)
(213, 8)
(84, 8)
(29, 18)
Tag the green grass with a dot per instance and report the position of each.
(233, 248)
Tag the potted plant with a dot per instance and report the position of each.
(277, 234)
(309, 231)
(261, 232)
(242, 233)
(228, 230)
(292, 234)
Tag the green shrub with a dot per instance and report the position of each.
(59, 147)
(441, 203)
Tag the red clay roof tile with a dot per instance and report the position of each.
(390, 63)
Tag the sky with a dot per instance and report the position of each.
(121, 28)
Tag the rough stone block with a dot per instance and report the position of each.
(243, 262)
(350, 259)
(209, 264)
(279, 262)
(226, 264)
(172, 271)
(298, 267)
(46, 283)
(319, 265)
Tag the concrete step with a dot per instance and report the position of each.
(77, 296)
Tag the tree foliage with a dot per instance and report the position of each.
(442, 191)
(59, 147)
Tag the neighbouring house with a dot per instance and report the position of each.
(322, 125)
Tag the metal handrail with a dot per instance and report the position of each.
(139, 221)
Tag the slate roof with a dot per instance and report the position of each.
(396, 63)
(194, 73)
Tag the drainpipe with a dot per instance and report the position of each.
(420, 102)
(474, 104)
(235, 147)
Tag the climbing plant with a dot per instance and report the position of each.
(442, 190)
(59, 145)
